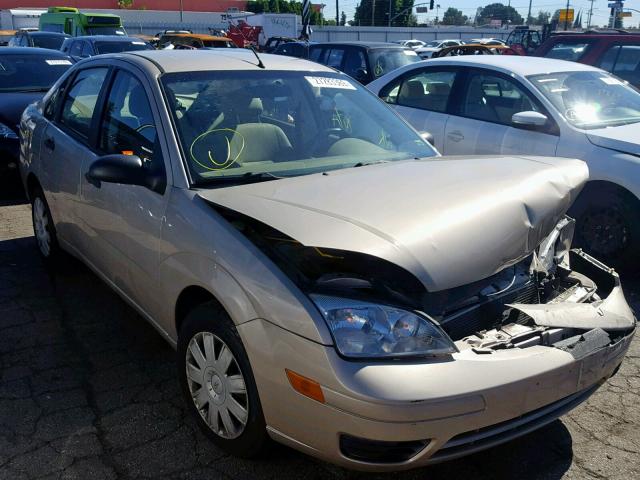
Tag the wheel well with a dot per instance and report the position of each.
(190, 298)
(32, 184)
(597, 188)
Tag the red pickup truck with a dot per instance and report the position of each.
(618, 53)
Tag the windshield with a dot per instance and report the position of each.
(218, 44)
(117, 47)
(590, 99)
(234, 125)
(433, 44)
(23, 73)
(106, 30)
(54, 42)
(384, 60)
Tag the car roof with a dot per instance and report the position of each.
(221, 59)
(45, 34)
(110, 38)
(32, 51)
(364, 44)
(523, 66)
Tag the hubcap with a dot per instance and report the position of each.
(217, 385)
(41, 226)
(605, 231)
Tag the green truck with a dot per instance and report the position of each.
(69, 20)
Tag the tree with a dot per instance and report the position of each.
(343, 19)
(453, 16)
(274, 6)
(498, 11)
(542, 19)
(379, 10)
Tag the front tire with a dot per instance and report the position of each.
(608, 227)
(217, 382)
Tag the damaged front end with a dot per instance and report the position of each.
(556, 297)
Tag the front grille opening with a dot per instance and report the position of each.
(376, 451)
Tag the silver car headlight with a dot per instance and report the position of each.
(365, 330)
(6, 132)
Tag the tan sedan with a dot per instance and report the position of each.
(327, 279)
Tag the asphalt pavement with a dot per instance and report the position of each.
(88, 390)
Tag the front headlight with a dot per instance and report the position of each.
(363, 329)
(6, 132)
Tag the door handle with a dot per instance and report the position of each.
(50, 144)
(456, 136)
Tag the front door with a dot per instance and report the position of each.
(134, 213)
(482, 123)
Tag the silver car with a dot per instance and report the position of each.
(327, 279)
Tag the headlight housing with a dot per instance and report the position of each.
(6, 132)
(370, 330)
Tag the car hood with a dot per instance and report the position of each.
(624, 138)
(13, 104)
(449, 221)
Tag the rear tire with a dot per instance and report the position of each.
(44, 228)
(608, 227)
(218, 384)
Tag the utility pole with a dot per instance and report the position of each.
(337, 14)
(390, 7)
(373, 12)
(529, 14)
(566, 17)
(590, 14)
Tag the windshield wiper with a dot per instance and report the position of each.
(25, 90)
(249, 177)
(364, 164)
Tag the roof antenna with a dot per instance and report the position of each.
(260, 64)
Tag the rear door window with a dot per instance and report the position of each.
(80, 102)
(334, 59)
(427, 90)
(571, 51)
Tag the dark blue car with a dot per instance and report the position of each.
(83, 47)
(26, 74)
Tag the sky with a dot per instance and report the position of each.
(468, 7)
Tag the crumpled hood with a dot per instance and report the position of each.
(449, 221)
(623, 138)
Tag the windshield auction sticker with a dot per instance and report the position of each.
(327, 82)
(58, 62)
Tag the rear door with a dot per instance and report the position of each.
(66, 145)
(423, 97)
(480, 123)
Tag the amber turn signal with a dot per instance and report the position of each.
(305, 386)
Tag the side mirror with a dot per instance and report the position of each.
(125, 169)
(361, 74)
(529, 120)
(427, 137)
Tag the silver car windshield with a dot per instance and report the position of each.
(590, 99)
(238, 124)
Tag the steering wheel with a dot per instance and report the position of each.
(144, 126)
